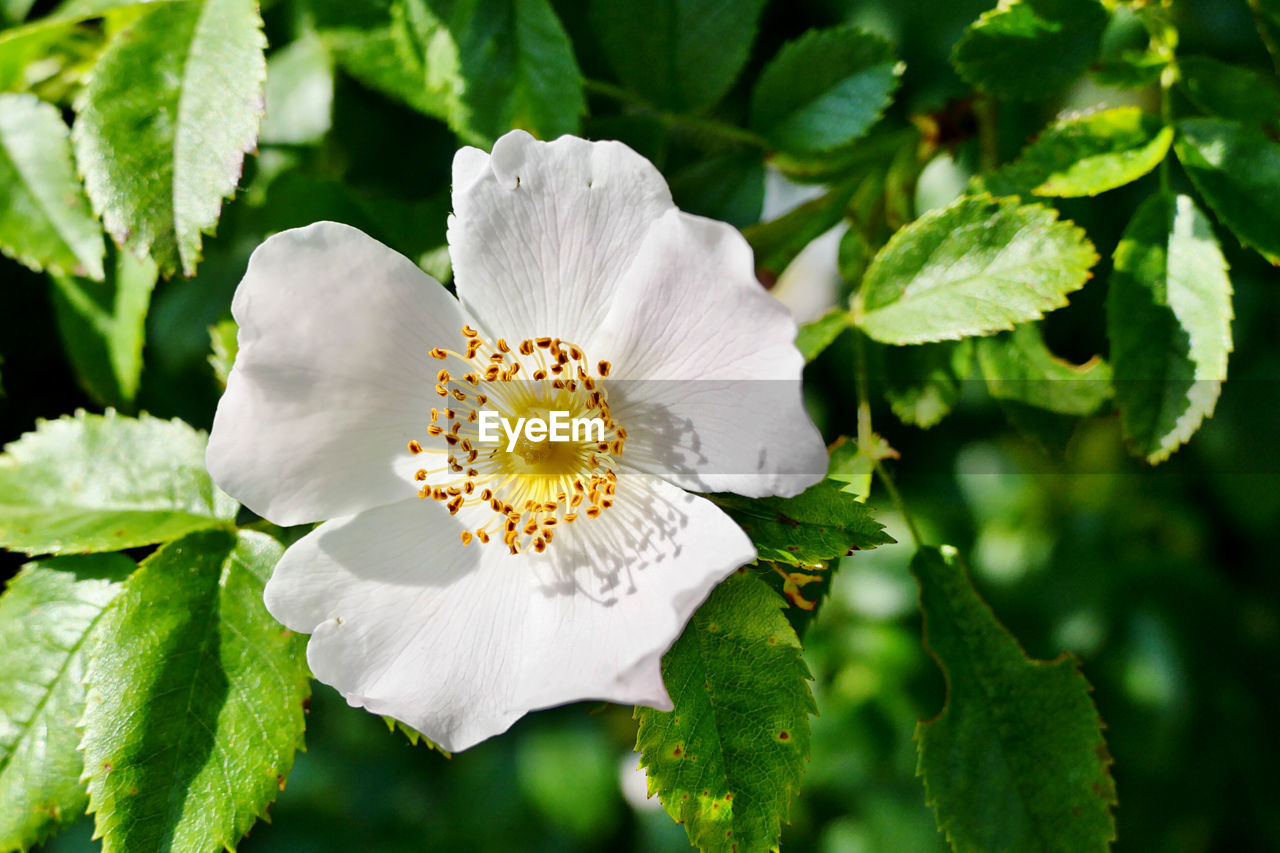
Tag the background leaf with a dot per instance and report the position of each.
(103, 483)
(1019, 367)
(825, 89)
(681, 54)
(195, 710)
(1016, 759)
(299, 93)
(47, 620)
(1237, 170)
(45, 220)
(727, 761)
(1231, 91)
(812, 338)
(1030, 48)
(976, 267)
(1169, 319)
(103, 325)
(923, 382)
(1084, 156)
(161, 131)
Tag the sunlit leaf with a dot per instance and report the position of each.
(47, 620)
(299, 93)
(104, 483)
(1016, 759)
(814, 337)
(1169, 319)
(728, 759)
(194, 705)
(1018, 367)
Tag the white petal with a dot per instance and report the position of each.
(706, 375)
(542, 232)
(460, 641)
(332, 378)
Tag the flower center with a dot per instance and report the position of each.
(528, 433)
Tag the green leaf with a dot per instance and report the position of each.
(777, 242)
(194, 709)
(162, 128)
(821, 523)
(681, 54)
(1237, 170)
(224, 341)
(1018, 367)
(728, 759)
(1230, 91)
(299, 93)
(728, 187)
(1084, 156)
(813, 338)
(976, 267)
(1016, 760)
(102, 325)
(922, 383)
(1267, 15)
(850, 467)
(1169, 320)
(45, 219)
(1030, 48)
(47, 620)
(825, 89)
(104, 483)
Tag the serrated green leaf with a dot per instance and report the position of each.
(922, 383)
(299, 93)
(1237, 170)
(825, 89)
(1016, 759)
(777, 242)
(194, 707)
(813, 338)
(1030, 48)
(730, 756)
(104, 483)
(45, 219)
(1019, 367)
(1084, 156)
(851, 468)
(102, 325)
(162, 128)
(47, 620)
(979, 266)
(225, 344)
(414, 736)
(681, 54)
(1231, 91)
(1169, 321)
(821, 523)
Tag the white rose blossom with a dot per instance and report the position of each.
(457, 586)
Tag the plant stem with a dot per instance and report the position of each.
(708, 126)
(899, 503)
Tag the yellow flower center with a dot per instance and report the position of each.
(527, 432)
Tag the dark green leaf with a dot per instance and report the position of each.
(1016, 759)
(1018, 367)
(194, 708)
(729, 187)
(45, 220)
(922, 383)
(815, 337)
(682, 54)
(163, 126)
(1084, 156)
(102, 327)
(821, 523)
(825, 89)
(1230, 91)
(1237, 170)
(1169, 320)
(47, 619)
(1030, 48)
(1267, 15)
(978, 266)
(777, 242)
(727, 761)
(104, 483)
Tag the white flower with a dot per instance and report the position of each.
(353, 400)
